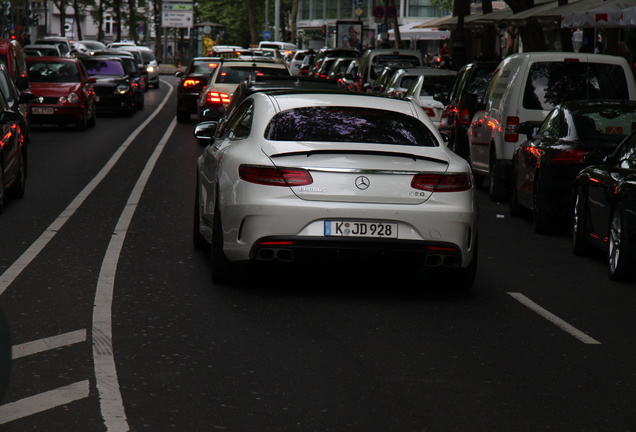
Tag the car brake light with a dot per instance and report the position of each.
(568, 157)
(429, 111)
(511, 134)
(442, 182)
(464, 116)
(275, 176)
(191, 82)
(216, 97)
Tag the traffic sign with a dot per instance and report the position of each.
(391, 12)
(267, 34)
(378, 12)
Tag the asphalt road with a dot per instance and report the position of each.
(114, 323)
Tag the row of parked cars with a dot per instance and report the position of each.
(70, 89)
(548, 132)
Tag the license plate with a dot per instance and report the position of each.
(42, 110)
(361, 229)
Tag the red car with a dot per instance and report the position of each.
(65, 91)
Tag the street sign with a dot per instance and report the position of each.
(178, 19)
(391, 12)
(267, 34)
(378, 12)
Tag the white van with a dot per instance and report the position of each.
(373, 61)
(525, 87)
(283, 47)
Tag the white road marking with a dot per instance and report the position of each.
(106, 375)
(554, 319)
(105, 369)
(43, 401)
(38, 346)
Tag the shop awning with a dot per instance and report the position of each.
(604, 14)
(411, 31)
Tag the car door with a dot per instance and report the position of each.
(10, 141)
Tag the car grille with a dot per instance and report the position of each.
(51, 100)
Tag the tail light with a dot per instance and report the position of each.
(191, 82)
(510, 133)
(216, 97)
(275, 176)
(442, 182)
(464, 116)
(429, 111)
(568, 157)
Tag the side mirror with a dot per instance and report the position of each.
(179, 74)
(205, 132)
(527, 129)
(440, 97)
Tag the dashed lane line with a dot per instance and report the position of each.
(554, 319)
(53, 342)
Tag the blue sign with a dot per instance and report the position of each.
(267, 34)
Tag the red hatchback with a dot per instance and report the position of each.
(65, 91)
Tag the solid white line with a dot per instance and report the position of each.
(554, 319)
(38, 346)
(29, 255)
(43, 401)
(105, 369)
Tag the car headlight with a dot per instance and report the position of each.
(122, 88)
(150, 68)
(72, 98)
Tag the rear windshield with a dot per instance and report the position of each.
(551, 83)
(203, 67)
(349, 124)
(436, 85)
(396, 61)
(104, 67)
(608, 124)
(234, 75)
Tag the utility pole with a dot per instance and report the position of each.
(277, 20)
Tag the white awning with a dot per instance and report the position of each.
(606, 14)
(409, 31)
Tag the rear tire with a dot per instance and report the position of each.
(82, 124)
(540, 219)
(513, 203)
(497, 188)
(198, 241)
(619, 262)
(19, 186)
(221, 268)
(580, 245)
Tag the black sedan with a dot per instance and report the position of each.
(114, 87)
(605, 209)
(191, 84)
(545, 166)
(12, 153)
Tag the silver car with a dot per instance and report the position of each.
(319, 177)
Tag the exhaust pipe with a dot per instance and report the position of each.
(435, 260)
(271, 254)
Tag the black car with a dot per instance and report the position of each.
(13, 168)
(19, 101)
(191, 84)
(604, 211)
(544, 167)
(135, 74)
(470, 84)
(114, 86)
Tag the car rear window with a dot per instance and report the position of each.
(437, 85)
(606, 124)
(104, 67)
(234, 75)
(203, 67)
(349, 124)
(551, 83)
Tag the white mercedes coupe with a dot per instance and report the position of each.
(311, 177)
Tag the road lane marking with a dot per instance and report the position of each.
(29, 255)
(554, 319)
(110, 399)
(53, 342)
(43, 401)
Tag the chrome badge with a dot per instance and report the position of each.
(362, 183)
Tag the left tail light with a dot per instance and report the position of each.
(442, 182)
(216, 97)
(275, 176)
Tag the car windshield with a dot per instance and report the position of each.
(607, 124)
(234, 75)
(551, 83)
(203, 67)
(104, 67)
(52, 71)
(349, 124)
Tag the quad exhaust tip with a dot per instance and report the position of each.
(275, 254)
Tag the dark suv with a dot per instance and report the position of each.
(470, 85)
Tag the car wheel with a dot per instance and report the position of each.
(221, 267)
(580, 245)
(19, 186)
(618, 257)
(156, 84)
(82, 124)
(141, 102)
(92, 122)
(497, 186)
(198, 241)
(457, 280)
(540, 219)
(513, 203)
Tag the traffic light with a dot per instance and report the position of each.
(324, 30)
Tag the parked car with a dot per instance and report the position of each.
(12, 55)
(346, 82)
(427, 90)
(65, 89)
(544, 167)
(113, 85)
(339, 68)
(149, 62)
(135, 75)
(18, 102)
(461, 105)
(191, 83)
(373, 61)
(525, 87)
(604, 211)
(13, 168)
(297, 61)
(225, 79)
(42, 50)
(319, 177)
(93, 46)
(307, 64)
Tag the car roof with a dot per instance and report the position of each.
(250, 63)
(53, 58)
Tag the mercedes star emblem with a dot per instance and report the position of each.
(362, 183)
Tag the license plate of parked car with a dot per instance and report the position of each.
(41, 110)
(336, 228)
